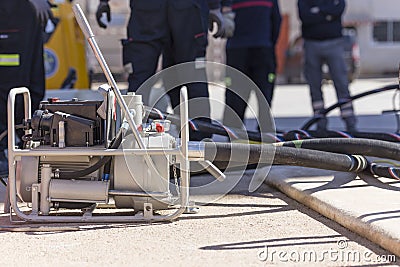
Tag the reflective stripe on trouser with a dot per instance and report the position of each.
(347, 113)
(346, 110)
(317, 106)
(9, 60)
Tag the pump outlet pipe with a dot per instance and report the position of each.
(302, 134)
(367, 147)
(270, 154)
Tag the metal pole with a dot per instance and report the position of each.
(87, 31)
(195, 153)
(96, 152)
(185, 166)
(44, 189)
(137, 194)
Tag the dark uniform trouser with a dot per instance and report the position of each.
(199, 104)
(258, 63)
(156, 25)
(331, 52)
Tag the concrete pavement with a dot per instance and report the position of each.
(262, 228)
(366, 205)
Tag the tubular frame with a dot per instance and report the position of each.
(14, 154)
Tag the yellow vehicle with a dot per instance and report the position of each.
(64, 53)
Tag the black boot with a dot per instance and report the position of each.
(350, 124)
(322, 125)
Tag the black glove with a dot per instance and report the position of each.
(216, 16)
(43, 10)
(103, 7)
(229, 24)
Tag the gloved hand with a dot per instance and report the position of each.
(215, 15)
(314, 10)
(103, 7)
(43, 10)
(229, 23)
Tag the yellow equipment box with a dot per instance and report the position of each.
(65, 52)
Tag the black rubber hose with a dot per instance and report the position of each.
(297, 135)
(3, 134)
(104, 160)
(323, 113)
(114, 145)
(253, 154)
(107, 170)
(389, 137)
(384, 171)
(302, 134)
(366, 147)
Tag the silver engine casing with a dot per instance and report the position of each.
(132, 173)
(28, 170)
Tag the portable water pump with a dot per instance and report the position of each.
(80, 154)
(74, 158)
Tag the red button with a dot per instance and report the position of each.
(159, 128)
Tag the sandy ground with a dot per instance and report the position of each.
(241, 229)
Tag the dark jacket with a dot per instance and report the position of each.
(150, 19)
(257, 23)
(21, 47)
(321, 19)
(212, 4)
